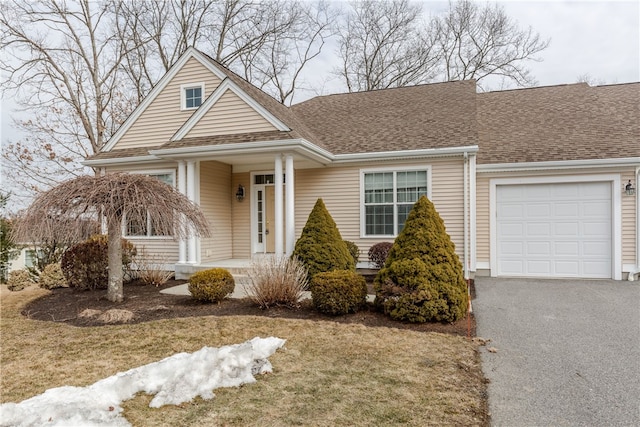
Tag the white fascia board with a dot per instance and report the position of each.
(226, 84)
(405, 154)
(301, 146)
(159, 87)
(562, 164)
(120, 161)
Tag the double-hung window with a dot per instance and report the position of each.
(192, 96)
(144, 227)
(388, 198)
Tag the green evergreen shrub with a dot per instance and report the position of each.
(338, 292)
(85, 265)
(422, 280)
(52, 277)
(354, 250)
(212, 285)
(379, 252)
(18, 280)
(320, 246)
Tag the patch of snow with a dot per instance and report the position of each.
(174, 380)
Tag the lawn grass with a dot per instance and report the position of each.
(329, 374)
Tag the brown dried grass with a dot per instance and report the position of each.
(329, 374)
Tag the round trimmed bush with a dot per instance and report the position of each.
(85, 265)
(212, 285)
(354, 250)
(18, 280)
(52, 277)
(379, 252)
(338, 292)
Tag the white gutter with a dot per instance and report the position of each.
(472, 210)
(119, 161)
(465, 168)
(564, 164)
(391, 155)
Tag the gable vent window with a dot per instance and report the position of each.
(192, 96)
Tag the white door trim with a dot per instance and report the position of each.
(616, 214)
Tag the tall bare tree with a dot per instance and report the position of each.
(476, 42)
(64, 66)
(114, 196)
(385, 44)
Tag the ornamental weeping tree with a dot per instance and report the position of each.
(114, 198)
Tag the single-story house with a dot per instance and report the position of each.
(529, 182)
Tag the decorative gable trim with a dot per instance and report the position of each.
(227, 84)
(157, 89)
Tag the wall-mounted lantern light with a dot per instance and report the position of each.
(629, 189)
(240, 193)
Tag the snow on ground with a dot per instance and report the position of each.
(173, 380)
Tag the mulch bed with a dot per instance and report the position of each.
(148, 304)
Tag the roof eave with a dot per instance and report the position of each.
(558, 164)
(120, 161)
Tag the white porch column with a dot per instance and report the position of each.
(182, 188)
(191, 195)
(290, 206)
(278, 206)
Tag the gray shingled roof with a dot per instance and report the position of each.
(568, 122)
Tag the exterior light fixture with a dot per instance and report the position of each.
(240, 193)
(629, 189)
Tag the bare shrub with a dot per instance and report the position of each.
(150, 268)
(277, 281)
(18, 280)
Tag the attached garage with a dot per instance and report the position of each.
(553, 229)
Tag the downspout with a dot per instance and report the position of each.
(636, 270)
(466, 215)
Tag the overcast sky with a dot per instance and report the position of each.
(596, 38)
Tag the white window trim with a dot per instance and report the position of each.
(183, 95)
(363, 228)
(150, 172)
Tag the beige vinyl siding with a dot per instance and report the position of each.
(163, 117)
(482, 219)
(339, 188)
(629, 232)
(230, 115)
(216, 202)
(241, 212)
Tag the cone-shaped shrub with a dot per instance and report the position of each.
(320, 246)
(422, 280)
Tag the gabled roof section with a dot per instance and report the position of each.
(228, 85)
(559, 123)
(158, 88)
(432, 116)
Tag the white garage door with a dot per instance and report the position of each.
(554, 230)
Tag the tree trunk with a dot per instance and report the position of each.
(115, 292)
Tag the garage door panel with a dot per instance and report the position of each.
(538, 249)
(538, 229)
(564, 249)
(566, 210)
(562, 230)
(567, 268)
(566, 228)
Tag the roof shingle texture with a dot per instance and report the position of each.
(418, 117)
(569, 122)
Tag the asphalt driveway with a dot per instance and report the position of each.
(567, 351)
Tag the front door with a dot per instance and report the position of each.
(264, 239)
